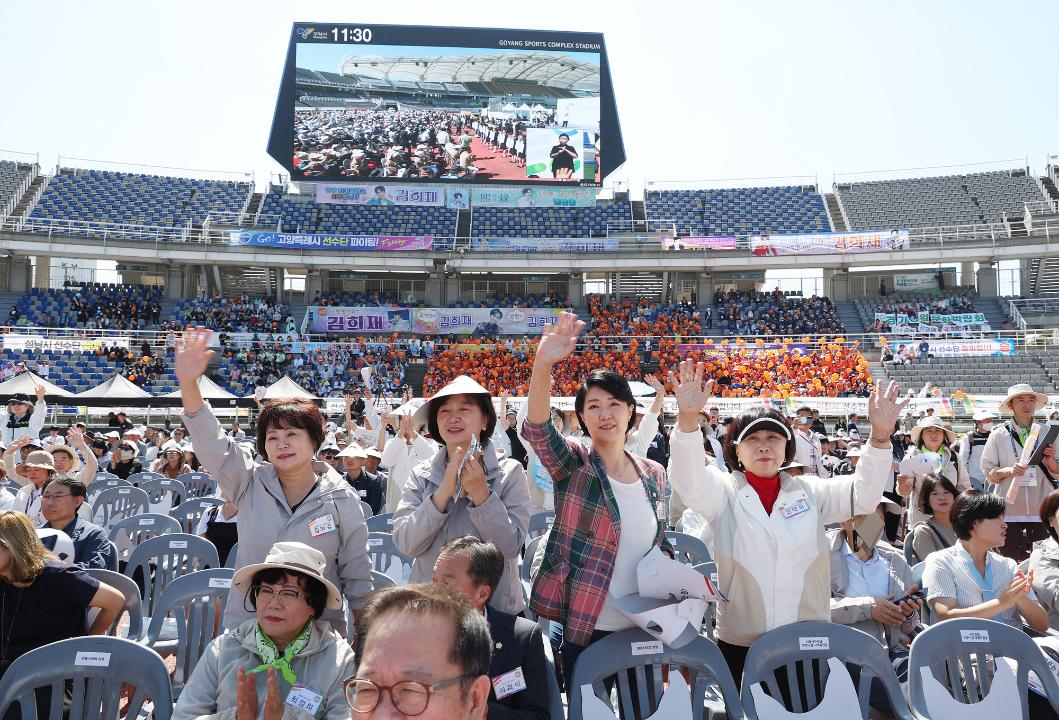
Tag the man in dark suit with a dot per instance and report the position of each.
(518, 671)
(367, 486)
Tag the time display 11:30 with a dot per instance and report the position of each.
(351, 34)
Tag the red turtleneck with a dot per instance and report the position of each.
(767, 489)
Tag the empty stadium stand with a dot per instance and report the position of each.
(972, 199)
(12, 177)
(135, 199)
(738, 211)
(986, 375)
(306, 216)
(552, 222)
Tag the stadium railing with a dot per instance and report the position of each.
(16, 196)
(1023, 339)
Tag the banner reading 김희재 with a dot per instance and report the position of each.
(379, 194)
(827, 243)
(480, 322)
(326, 241)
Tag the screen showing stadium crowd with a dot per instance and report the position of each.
(401, 144)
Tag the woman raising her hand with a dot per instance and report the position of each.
(290, 498)
(770, 548)
(609, 504)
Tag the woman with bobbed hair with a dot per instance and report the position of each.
(291, 497)
(770, 545)
(609, 504)
(458, 492)
(936, 497)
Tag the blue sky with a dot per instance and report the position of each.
(705, 90)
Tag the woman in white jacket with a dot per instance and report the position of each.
(771, 550)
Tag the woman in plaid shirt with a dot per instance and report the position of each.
(609, 505)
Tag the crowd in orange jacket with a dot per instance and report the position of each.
(500, 368)
(831, 369)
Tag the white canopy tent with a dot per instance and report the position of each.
(27, 382)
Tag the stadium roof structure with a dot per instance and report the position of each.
(541, 68)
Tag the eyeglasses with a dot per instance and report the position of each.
(408, 697)
(265, 594)
(55, 496)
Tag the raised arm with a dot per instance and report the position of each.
(699, 485)
(875, 467)
(557, 343)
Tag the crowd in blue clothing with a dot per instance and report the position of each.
(774, 313)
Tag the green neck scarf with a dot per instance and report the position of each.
(266, 648)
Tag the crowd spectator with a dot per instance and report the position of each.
(935, 500)
(759, 443)
(125, 461)
(399, 628)
(930, 435)
(367, 485)
(474, 567)
(35, 468)
(20, 419)
(744, 370)
(579, 472)
(868, 577)
(316, 506)
(1044, 561)
(235, 314)
(74, 458)
(171, 461)
(761, 313)
(61, 502)
(970, 580)
(507, 368)
(642, 318)
(255, 668)
(407, 449)
(42, 600)
(462, 491)
(104, 306)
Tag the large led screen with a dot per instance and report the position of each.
(436, 104)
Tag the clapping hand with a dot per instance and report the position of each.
(40, 391)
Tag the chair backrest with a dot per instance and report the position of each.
(603, 662)
(800, 652)
(196, 602)
(101, 669)
(12, 486)
(709, 619)
(688, 548)
(198, 484)
(188, 512)
(133, 604)
(103, 475)
(138, 479)
(381, 523)
(131, 531)
(960, 654)
(910, 554)
(162, 559)
(116, 503)
(233, 555)
(368, 512)
(160, 488)
(381, 580)
(539, 525)
(100, 484)
(385, 557)
(112, 561)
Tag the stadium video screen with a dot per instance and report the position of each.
(468, 105)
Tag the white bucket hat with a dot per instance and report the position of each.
(1022, 389)
(296, 557)
(463, 385)
(75, 458)
(984, 415)
(355, 451)
(936, 422)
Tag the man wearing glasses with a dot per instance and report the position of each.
(422, 651)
